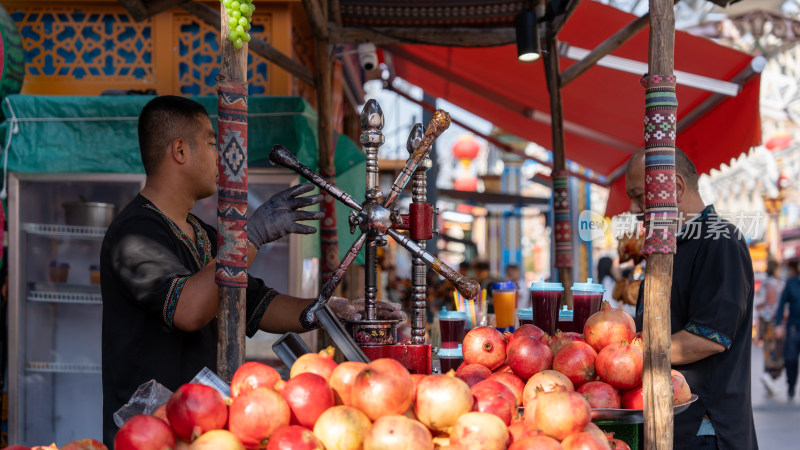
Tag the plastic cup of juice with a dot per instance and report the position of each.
(545, 301)
(586, 300)
(451, 326)
(450, 358)
(565, 320)
(504, 296)
(525, 316)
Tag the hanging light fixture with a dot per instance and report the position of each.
(527, 37)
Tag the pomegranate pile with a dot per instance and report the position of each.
(324, 405)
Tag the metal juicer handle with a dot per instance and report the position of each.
(282, 156)
(468, 287)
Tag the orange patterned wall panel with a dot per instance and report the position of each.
(87, 49)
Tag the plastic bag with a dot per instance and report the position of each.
(147, 398)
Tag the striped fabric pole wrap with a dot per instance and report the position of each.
(231, 268)
(661, 207)
(563, 229)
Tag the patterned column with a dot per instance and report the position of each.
(661, 207)
(562, 227)
(231, 268)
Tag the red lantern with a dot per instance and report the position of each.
(466, 148)
(468, 183)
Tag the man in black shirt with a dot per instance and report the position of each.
(157, 261)
(711, 309)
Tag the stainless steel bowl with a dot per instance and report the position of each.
(89, 214)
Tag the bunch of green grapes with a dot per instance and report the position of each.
(240, 14)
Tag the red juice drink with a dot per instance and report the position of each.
(452, 327)
(450, 358)
(586, 300)
(546, 301)
(525, 316)
(565, 320)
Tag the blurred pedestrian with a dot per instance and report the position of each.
(766, 306)
(788, 327)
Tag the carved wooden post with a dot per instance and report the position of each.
(231, 270)
(660, 219)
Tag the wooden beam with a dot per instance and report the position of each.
(608, 46)
(552, 75)
(136, 8)
(231, 313)
(657, 330)
(335, 12)
(514, 105)
(491, 139)
(451, 37)
(316, 17)
(258, 46)
(560, 21)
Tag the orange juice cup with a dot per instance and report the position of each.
(504, 296)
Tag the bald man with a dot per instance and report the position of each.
(711, 308)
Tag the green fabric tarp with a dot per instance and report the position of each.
(82, 134)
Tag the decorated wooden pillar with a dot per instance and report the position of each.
(661, 213)
(231, 270)
(562, 229)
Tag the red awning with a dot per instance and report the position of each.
(604, 107)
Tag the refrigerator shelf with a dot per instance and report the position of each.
(50, 367)
(64, 297)
(70, 231)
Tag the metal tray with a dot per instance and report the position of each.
(631, 415)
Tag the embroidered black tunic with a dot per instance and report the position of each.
(145, 261)
(712, 297)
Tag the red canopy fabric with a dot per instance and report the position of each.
(603, 108)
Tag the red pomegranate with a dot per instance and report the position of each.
(321, 363)
(546, 381)
(84, 444)
(217, 440)
(294, 437)
(342, 379)
(308, 396)
(512, 382)
(415, 379)
(473, 373)
(608, 326)
(560, 414)
(479, 431)
(17, 447)
(536, 442)
(161, 413)
(595, 430)
(633, 399)
(616, 444)
(252, 375)
(484, 346)
(194, 409)
(397, 433)
(494, 397)
(528, 356)
(441, 400)
(600, 395)
(532, 331)
(620, 365)
(584, 441)
(680, 390)
(144, 432)
(254, 416)
(504, 368)
(342, 427)
(563, 338)
(519, 430)
(576, 361)
(382, 388)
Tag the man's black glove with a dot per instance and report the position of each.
(278, 216)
